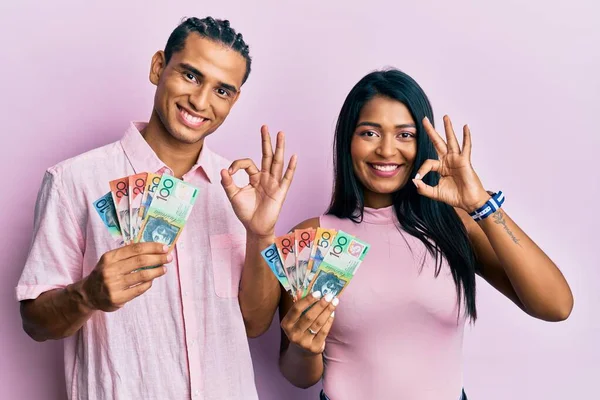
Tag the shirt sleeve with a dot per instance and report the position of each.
(55, 257)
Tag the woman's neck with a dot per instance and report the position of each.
(377, 200)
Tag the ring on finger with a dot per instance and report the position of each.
(312, 332)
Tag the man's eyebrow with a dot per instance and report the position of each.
(191, 68)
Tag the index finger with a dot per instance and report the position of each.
(311, 316)
(299, 307)
(136, 249)
(247, 165)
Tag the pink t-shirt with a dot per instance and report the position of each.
(185, 337)
(396, 333)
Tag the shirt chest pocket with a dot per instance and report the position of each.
(228, 254)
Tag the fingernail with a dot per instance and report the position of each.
(316, 295)
(169, 257)
(165, 248)
(417, 176)
(164, 270)
(328, 297)
(335, 302)
(415, 182)
(427, 119)
(333, 314)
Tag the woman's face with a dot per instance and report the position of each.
(383, 149)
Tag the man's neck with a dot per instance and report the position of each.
(179, 157)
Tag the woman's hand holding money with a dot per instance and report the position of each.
(115, 280)
(308, 322)
(257, 205)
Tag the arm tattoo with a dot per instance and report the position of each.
(499, 219)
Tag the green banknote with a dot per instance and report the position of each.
(339, 265)
(167, 214)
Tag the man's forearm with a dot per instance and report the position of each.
(56, 314)
(259, 288)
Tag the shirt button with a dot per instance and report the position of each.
(186, 293)
(196, 393)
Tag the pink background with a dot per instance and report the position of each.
(524, 75)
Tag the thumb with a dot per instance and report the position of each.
(227, 182)
(425, 190)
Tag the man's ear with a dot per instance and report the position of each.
(157, 66)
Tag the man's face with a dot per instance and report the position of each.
(197, 88)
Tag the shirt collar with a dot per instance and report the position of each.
(207, 162)
(144, 159)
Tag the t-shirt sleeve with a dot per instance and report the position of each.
(55, 257)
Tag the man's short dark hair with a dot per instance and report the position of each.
(214, 29)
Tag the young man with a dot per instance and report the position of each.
(186, 337)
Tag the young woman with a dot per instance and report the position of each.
(397, 331)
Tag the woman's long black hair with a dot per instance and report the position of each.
(436, 224)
